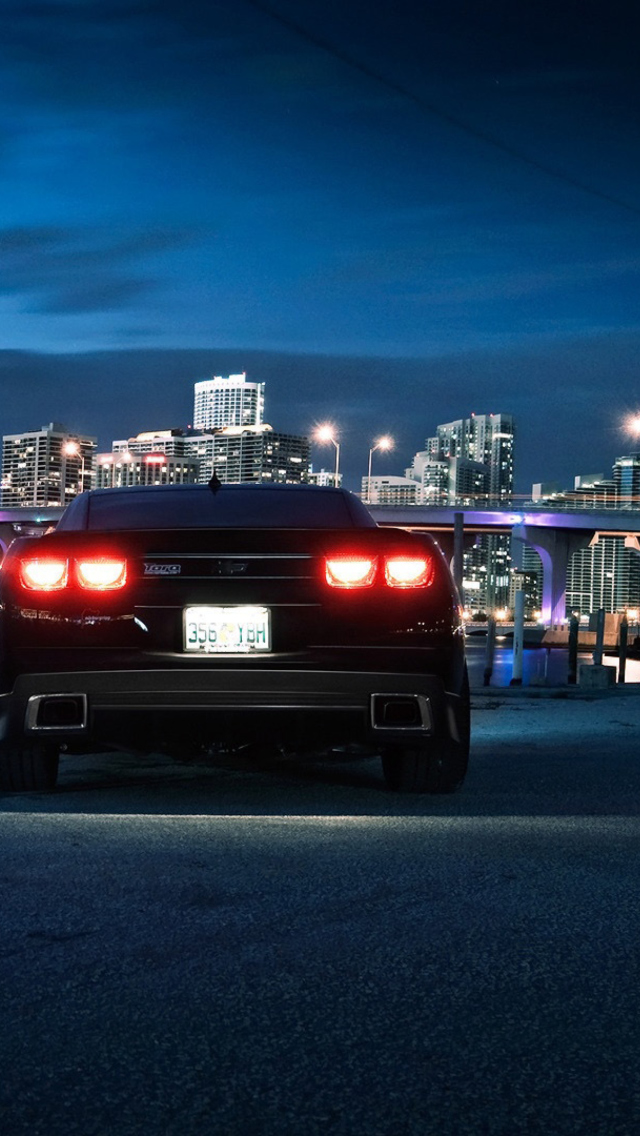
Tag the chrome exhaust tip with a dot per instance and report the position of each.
(56, 712)
(401, 712)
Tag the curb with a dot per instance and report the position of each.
(572, 693)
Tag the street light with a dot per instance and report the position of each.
(327, 434)
(632, 424)
(72, 449)
(384, 443)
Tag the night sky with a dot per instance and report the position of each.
(394, 214)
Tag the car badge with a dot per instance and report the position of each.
(162, 569)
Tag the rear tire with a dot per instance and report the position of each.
(29, 768)
(440, 766)
(407, 769)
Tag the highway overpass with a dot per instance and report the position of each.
(555, 534)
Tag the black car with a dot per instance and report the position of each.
(182, 617)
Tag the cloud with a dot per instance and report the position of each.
(69, 270)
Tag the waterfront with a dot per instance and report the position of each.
(542, 666)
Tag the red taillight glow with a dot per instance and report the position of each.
(350, 571)
(408, 571)
(43, 574)
(102, 574)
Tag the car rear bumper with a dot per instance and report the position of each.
(145, 709)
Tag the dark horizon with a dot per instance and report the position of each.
(575, 429)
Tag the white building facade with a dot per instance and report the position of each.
(230, 401)
(469, 462)
(235, 454)
(383, 490)
(118, 470)
(49, 466)
(606, 574)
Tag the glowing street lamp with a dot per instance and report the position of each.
(384, 443)
(327, 434)
(632, 425)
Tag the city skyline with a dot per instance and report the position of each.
(390, 214)
(392, 461)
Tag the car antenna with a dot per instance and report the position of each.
(214, 483)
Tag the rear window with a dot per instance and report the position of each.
(197, 507)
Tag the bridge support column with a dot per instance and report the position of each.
(555, 548)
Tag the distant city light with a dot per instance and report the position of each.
(384, 443)
(327, 433)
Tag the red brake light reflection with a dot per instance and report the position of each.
(350, 571)
(409, 572)
(102, 575)
(43, 574)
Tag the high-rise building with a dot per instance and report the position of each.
(469, 462)
(234, 453)
(115, 470)
(385, 490)
(49, 466)
(324, 477)
(607, 573)
(258, 454)
(486, 439)
(448, 480)
(230, 401)
(626, 477)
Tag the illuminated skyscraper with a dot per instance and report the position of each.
(626, 477)
(230, 401)
(469, 462)
(46, 467)
(607, 573)
(486, 439)
(236, 454)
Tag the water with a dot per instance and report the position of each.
(539, 664)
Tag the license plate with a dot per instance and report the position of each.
(227, 630)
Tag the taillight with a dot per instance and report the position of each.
(102, 574)
(350, 571)
(44, 574)
(408, 571)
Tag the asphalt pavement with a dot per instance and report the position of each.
(289, 949)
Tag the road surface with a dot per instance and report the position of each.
(293, 950)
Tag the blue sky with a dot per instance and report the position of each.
(393, 214)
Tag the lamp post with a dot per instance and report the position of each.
(72, 449)
(327, 434)
(384, 443)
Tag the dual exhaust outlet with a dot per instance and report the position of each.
(71, 712)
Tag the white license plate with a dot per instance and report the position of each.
(227, 630)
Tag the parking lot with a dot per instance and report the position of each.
(290, 948)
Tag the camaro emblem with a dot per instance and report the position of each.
(162, 569)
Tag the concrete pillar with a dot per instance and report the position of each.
(555, 549)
